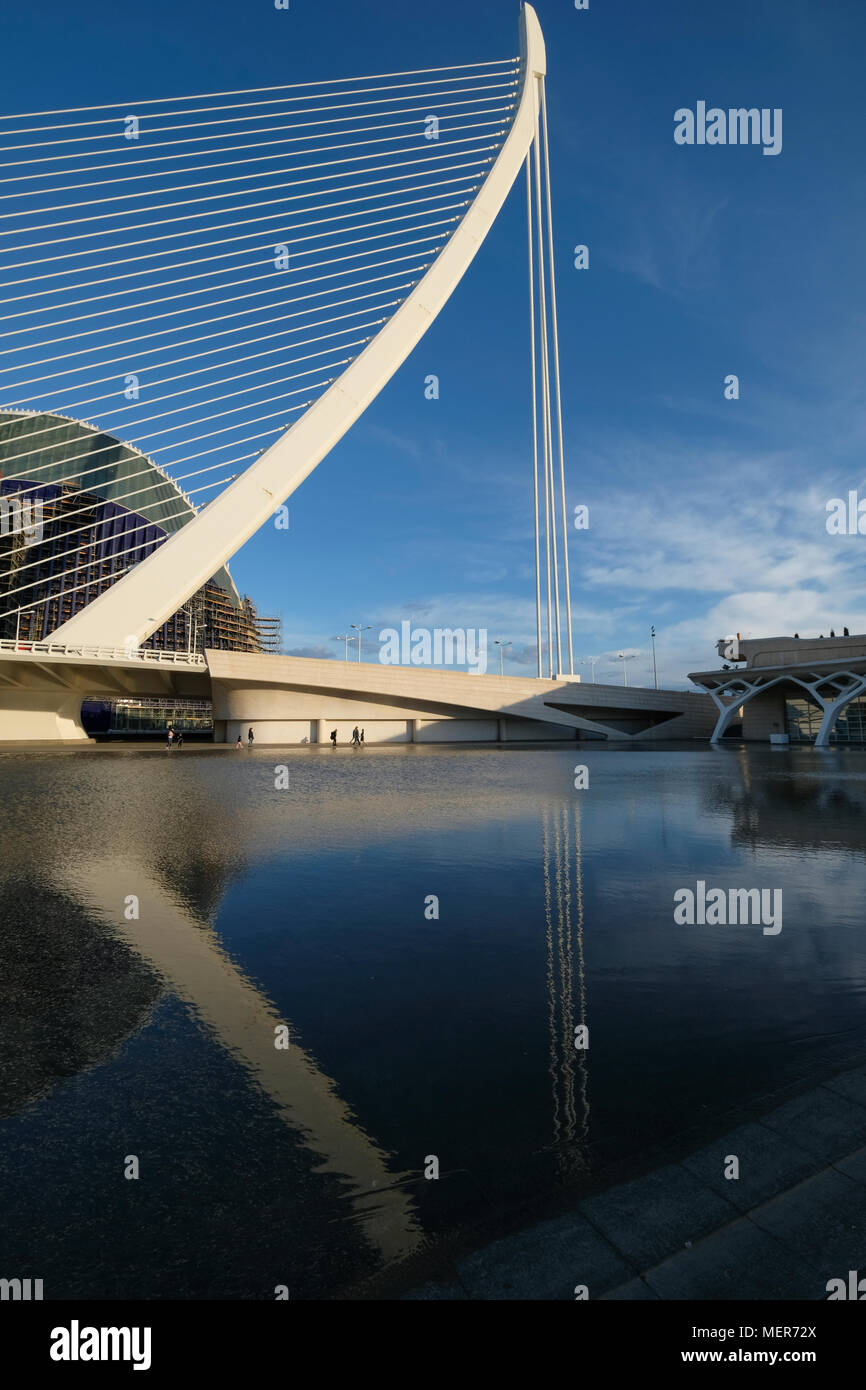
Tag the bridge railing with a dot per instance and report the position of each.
(55, 649)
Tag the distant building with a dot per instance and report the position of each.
(808, 689)
(103, 507)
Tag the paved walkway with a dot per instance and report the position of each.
(795, 1218)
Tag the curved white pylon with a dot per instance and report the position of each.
(150, 593)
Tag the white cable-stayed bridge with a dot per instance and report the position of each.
(225, 282)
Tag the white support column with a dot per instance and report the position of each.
(534, 374)
(557, 383)
(854, 686)
(724, 719)
(833, 708)
(746, 690)
(547, 426)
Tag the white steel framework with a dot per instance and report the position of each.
(831, 690)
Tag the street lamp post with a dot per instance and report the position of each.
(655, 672)
(624, 657)
(500, 644)
(344, 637)
(591, 662)
(359, 629)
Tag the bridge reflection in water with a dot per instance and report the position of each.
(154, 1033)
(566, 986)
(188, 956)
(124, 880)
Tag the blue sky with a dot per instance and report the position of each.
(707, 516)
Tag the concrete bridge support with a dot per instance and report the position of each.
(41, 690)
(297, 700)
(41, 716)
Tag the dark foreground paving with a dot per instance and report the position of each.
(793, 1219)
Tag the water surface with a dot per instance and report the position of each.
(163, 914)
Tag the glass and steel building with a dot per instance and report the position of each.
(78, 508)
(134, 716)
(804, 721)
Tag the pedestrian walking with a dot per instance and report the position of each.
(362, 735)
(180, 738)
(356, 742)
(250, 738)
(169, 738)
(240, 742)
(333, 738)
